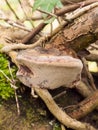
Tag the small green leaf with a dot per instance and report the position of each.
(59, 4)
(47, 5)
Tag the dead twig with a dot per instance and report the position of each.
(35, 31)
(84, 107)
(72, 7)
(80, 11)
(92, 57)
(8, 48)
(83, 89)
(42, 25)
(59, 95)
(51, 14)
(14, 87)
(12, 84)
(15, 24)
(12, 9)
(90, 78)
(31, 35)
(23, 9)
(63, 127)
(59, 114)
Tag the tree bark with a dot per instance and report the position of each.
(80, 33)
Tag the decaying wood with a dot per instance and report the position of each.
(83, 89)
(85, 107)
(88, 74)
(92, 57)
(79, 34)
(76, 36)
(60, 12)
(59, 113)
(30, 35)
(74, 6)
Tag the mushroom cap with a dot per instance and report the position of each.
(48, 71)
(48, 59)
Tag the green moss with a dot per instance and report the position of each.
(56, 127)
(5, 89)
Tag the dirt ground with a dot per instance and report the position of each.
(34, 114)
(32, 117)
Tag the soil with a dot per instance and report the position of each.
(34, 114)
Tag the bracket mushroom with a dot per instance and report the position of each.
(49, 71)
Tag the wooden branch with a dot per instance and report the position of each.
(80, 11)
(44, 12)
(12, 9)
(70, 1)
(72, 7)
(8, 48)
(34, 32)
(92, 57)
(83, 89)
(15, 24)
(77, 43)
(85, 107)
(88, 74)
(81, 33)
(59, 113)
(42, 25)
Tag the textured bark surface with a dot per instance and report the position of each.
(80, 34)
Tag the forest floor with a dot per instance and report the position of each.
(32, 116)
(35, 115)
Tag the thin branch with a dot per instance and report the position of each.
(22, 8)
(59, 95)
(85, 107)
(12, 84)
(68, 2)
(8, 48)
(17, 103)
(59, 113)
(16, 98)
(90, 78)
(6, 76)
(80, 11)
(26, 16)
(63, 127)
(48, 13)
(92, 57)
(69, 17)
(11, 9)
(42, 25)
(15, 24)
(83, 89)
(72, 7)
(35, 31)
(10, 72)
(14, 87)
(94, 46)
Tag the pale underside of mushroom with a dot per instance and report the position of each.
(49, 71)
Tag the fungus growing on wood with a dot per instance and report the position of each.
(49, 71)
